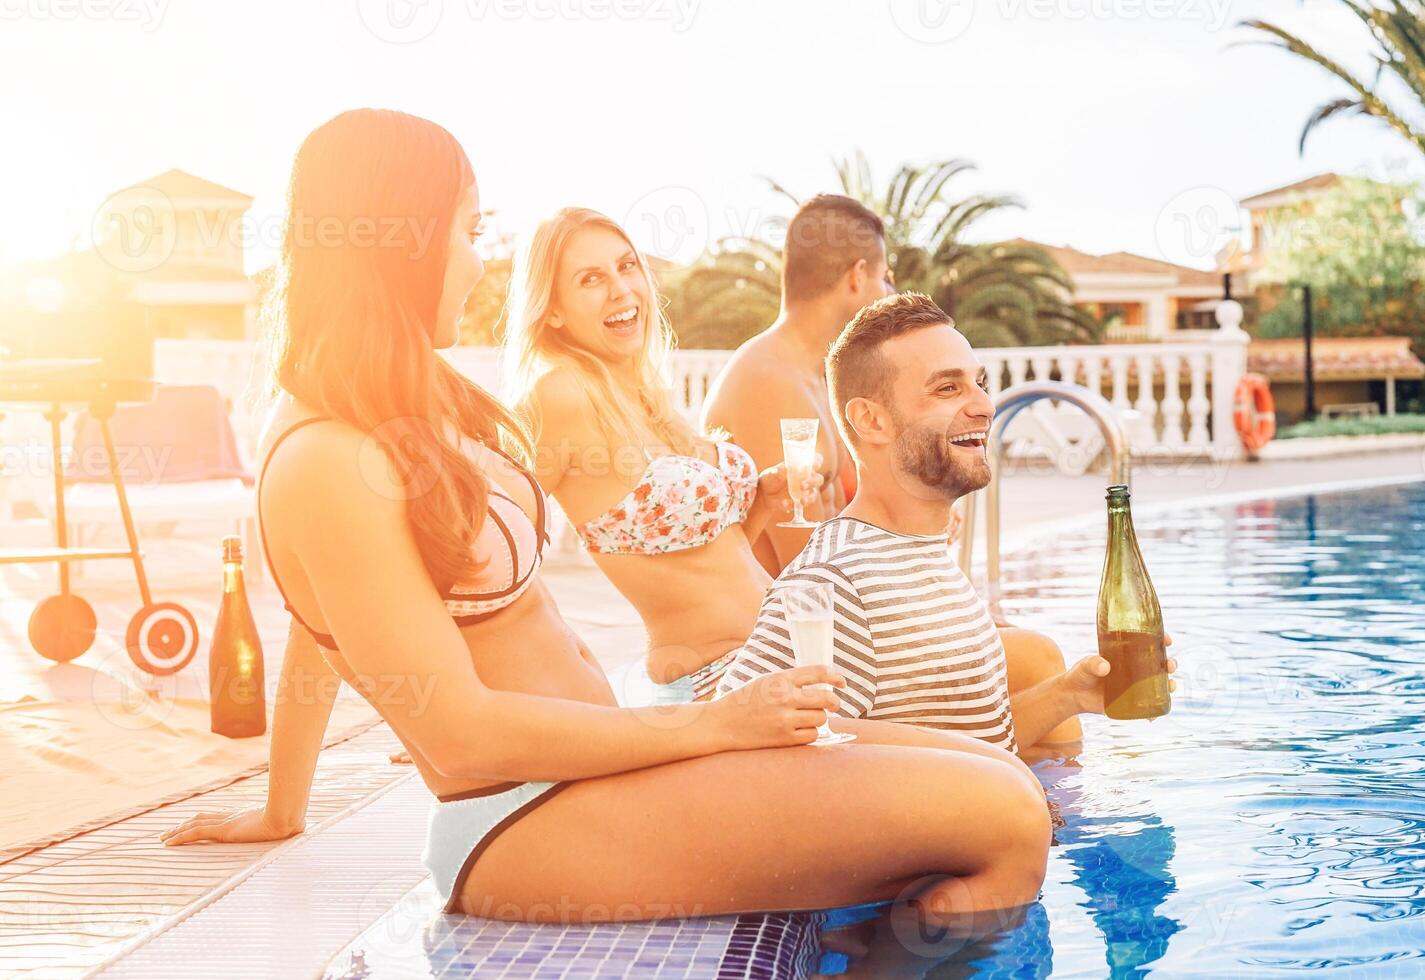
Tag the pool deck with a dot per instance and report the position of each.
(50, 895)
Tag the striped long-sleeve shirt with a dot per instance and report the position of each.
(915, 641)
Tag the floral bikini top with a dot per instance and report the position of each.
(680, 502)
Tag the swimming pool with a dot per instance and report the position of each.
(1272, 824)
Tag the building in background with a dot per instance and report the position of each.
(1143, 300)
(1137, 298)
(167, 252)
(1348, 371)
(1269, 216)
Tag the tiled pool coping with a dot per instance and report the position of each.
(414, 939)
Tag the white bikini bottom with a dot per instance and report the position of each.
(697, 686)
(463, 825)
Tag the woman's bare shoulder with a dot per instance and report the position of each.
(560, 392)
(307, 464)
(564, 408)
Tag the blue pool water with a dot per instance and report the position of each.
(1272, 825)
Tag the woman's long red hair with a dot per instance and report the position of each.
(370, 206)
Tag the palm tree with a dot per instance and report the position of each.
(483, 320)
(728, 295)
(1000, 294)
(1004, 294)
(1398, 28)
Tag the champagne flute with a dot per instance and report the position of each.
(799, 454)
(809, 621)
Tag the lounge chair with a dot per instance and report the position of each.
(180, 462)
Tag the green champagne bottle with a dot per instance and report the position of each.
(1130, 623)
(235, 683)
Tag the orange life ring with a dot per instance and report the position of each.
(1254, 412)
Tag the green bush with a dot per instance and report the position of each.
(1382, 425)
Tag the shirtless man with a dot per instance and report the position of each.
(833, 264)
(915, 642)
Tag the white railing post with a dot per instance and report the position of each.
(1229, 363)
(1199, 405)
(1018, 367)
(994, 373)
(1147, 403)
(1118, 364)
(1172, 407)
(1093, 372)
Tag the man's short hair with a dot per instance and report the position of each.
(827, 236)
(856, 367)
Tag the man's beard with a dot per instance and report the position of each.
(923, 452)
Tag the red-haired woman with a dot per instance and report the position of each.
(406, 536)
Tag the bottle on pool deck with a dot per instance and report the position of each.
(1130, 623)
(235, 683)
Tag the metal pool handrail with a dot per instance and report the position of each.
(1009, 404)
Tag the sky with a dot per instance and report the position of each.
(1119, 124)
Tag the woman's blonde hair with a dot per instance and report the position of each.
(638, 412)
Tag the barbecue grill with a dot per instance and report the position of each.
(161, 637)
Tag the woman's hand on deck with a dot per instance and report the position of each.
(777, 709)
(246, 826)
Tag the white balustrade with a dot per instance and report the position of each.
(1147, 379)
(1214, 361)
(1144, 379)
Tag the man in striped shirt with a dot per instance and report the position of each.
(914, 640)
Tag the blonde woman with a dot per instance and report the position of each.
(408, 546)
(667, 514)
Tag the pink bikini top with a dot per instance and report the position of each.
(680, 502)
(509, 549)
